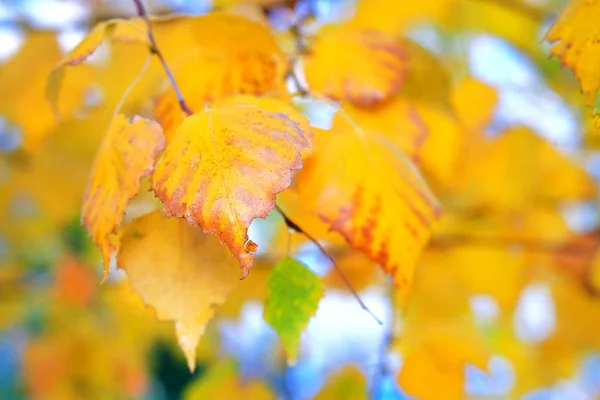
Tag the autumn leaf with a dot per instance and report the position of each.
(574, 35)
(294, 294)
(126, 154)
(235, 55)
(223, 169)
(221, 381)
(378, 201)
(347, 384)
(428, 135)
(362, 66)
(173, 265)
(27, 80)
(117, 29)
(544, 173)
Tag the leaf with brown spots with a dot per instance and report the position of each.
(362, 66)
(576, 38)
(125, 156)
(367, 189)
(223, 168)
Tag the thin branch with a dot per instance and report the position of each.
(291, 224)
(155, 50)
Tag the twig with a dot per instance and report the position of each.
(291, 224)
(155, 50)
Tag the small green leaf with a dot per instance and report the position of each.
(294, 294)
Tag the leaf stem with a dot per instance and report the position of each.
(291, 224)
(155, 50)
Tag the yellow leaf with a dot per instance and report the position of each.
(228, 55)
(474, 103)
(20, 76)
(125, 156)
(362, 66)
(117, 29)
(543, 173)
(221, 382)
(438, 337)
(397, 17)
(347, 384)
(575, 35)
(365, 188)
(179, 271)
(223, 168)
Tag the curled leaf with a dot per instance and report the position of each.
(121, 30)
(126, 154)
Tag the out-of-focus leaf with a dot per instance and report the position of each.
(127, 154)
(221, 382)
(294, 294)
(362, 66)
(203, 175)
(178, 270)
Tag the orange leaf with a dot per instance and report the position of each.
(179, 271)
(368, 190)
(228, 55)
(125, 156)
(223, 168)
(575, 37)
(362, 66)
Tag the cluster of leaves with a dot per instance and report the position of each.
(207, 133)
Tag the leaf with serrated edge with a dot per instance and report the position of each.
(127, 154)
(365, 188)
(223, 169)
(294, 295)
(574, 35)
(178, 270)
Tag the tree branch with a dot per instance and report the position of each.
(155, 50)
(291, 224)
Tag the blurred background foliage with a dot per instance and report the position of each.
(505, 302)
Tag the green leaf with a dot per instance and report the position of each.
(294, 294)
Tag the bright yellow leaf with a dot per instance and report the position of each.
(365, 188)
(127, 154)
(362, 66)
(576, 38)
(178, 270)
(223, 168)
